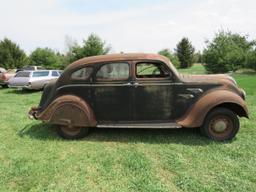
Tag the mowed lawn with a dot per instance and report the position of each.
(34, 158)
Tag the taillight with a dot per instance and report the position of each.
(4, 77)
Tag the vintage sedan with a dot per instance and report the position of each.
(140, 91)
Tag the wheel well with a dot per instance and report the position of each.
(237, 109)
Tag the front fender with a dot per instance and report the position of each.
(197, 113)
(68, 110)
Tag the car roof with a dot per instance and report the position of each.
(117, 57)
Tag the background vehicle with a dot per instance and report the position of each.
(31, 68)
(35, 80)
(4, 77)
(140, 91)
(2, 70)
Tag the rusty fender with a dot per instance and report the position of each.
(68, 110)
(197, 113)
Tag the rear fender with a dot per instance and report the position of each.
(223, 98)
(68, 110)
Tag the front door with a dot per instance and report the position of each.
(111, 92)
(153, 92)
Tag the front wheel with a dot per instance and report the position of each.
(221, 124)
(72, 133)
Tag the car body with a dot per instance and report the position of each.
(139, 91)
(33, 80)
(5, 76)
(2, 70)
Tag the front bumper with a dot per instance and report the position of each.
(32, 113)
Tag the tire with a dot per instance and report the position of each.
(220, 124)
(72, 133)
(5, 86)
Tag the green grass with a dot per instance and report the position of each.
(34, 158)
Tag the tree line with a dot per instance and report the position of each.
(227, 51)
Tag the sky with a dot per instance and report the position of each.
(128, 26)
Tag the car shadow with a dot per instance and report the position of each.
(45, 131)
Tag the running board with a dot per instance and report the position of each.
(142, 126)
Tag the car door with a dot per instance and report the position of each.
(153, 92)
(112, 92)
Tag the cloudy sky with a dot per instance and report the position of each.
(129, 26)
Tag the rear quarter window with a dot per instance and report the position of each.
(40, 74)
(55, 74)
(82, 74)
(23, 74)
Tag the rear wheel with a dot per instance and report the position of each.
(72, 132)
(221, 124)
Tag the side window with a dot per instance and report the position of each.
(82, 74)
(55, 74)
(113, 71)
(151, 70)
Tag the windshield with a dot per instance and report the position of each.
(175, 71)
(40, 74)
(22, 74)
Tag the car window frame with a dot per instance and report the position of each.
(169, 77)
(36, 71)
(72, 79)
(55, 71)
(100, 65)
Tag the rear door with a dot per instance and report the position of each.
(112, 92)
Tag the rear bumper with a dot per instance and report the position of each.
(20, 86)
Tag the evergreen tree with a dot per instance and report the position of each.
(185, 52)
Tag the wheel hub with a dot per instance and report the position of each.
(220, 126)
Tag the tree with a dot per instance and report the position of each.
(174, 59)
(47, 58)
(197, 57)
(227, 52)
(185, 52)
(11, 56)
(251, 59)
(93, 45)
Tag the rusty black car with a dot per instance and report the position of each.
(140, 91)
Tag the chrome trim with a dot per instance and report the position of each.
(195, 90)
(186, 96)
(117, 85)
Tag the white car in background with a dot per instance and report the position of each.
(34, 80)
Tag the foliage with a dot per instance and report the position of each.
(11, 56)
(185, 52)
(173, 58)
(197, 57)
(251, 60)
(47, 58)
(93, 45)
(227, 52)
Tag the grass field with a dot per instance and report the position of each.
(34, 158)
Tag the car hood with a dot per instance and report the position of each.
(219, 78)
